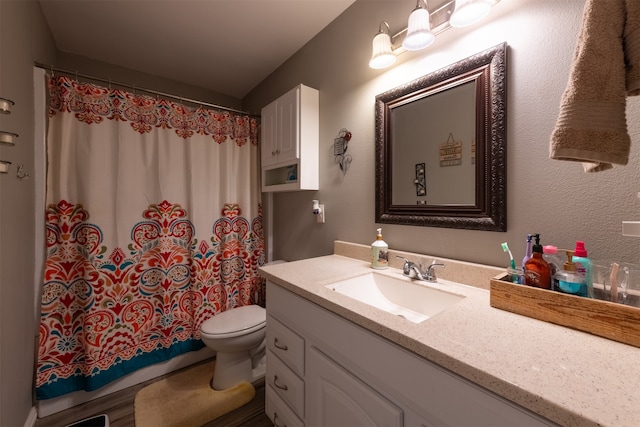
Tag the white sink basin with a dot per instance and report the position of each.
(415, 301)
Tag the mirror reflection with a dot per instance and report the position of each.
(440, 147)
(438, 144)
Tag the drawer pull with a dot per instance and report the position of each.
(275, 420)
(279, 346)
(275, 383)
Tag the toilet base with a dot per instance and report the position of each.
(234, 368)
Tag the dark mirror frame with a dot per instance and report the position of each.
(489, 213)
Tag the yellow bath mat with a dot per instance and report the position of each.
(187, 399)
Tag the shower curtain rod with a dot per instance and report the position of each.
(136, 88)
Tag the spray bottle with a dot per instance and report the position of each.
(583, 266)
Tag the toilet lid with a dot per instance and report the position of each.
(239, 319)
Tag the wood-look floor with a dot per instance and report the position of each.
(119, 407)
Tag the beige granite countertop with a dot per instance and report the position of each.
(569, 377)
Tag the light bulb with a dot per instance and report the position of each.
(468, 12)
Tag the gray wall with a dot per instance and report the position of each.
(544, 196)
(24, 38)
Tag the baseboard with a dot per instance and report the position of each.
(31, 419)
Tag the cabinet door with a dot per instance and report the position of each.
(288, 125)
(335, 397)
(269, 138)
(278, 411)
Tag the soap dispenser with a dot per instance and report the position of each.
(568, 280)
(379, 252)
(527, 250)
(536, 270)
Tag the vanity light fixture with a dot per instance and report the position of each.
(419, 35)
(423, 26)
(468, 12)
(382, 55)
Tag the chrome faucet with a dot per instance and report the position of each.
(414, 271)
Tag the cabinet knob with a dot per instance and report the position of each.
(275, 383)
(273, 153)
(279, 346)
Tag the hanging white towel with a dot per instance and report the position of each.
(592, 125)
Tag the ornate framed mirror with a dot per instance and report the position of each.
(441, 147)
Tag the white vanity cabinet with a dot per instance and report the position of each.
(352, 377)
(289, 141)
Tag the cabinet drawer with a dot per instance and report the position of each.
(278, 411)
(286, 344)
(286, 383)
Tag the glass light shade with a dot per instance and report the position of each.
(468, 12)
(419, 35)
(382, 52)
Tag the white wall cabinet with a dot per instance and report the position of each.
(290, 140)
(353, 377)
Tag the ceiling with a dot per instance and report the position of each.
(227, 46)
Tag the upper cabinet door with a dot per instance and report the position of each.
(269, 140)
(289, 125)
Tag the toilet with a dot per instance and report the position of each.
(238, 336)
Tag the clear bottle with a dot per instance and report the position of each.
(550, 254)
(536, 270)
(527, 250)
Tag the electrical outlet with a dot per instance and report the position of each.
(320, 215)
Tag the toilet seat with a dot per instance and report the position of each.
(237, 321)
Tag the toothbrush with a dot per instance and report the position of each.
(505, 248)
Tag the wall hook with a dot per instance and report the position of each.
(21, 174)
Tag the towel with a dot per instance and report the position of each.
(592, 124)
(632, 47)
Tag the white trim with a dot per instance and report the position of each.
(32, 418)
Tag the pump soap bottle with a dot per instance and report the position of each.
(568, 280)
(527, 251)
(379, 252)
(536, 270)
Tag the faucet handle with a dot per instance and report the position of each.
(406, 267)
(431, 275)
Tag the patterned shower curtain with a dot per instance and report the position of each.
(153, 225)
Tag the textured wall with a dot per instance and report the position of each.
(545, 196)
(24, 38)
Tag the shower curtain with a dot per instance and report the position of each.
(153, 225)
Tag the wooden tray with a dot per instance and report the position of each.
(603, 318)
